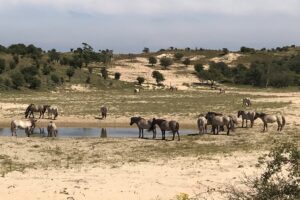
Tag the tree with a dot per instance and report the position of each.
(34, 82)
(12, 64)
(17, 79)
(152, 60)
(2, 65)
(53, 55)
(104, 73)
(46, 69)
(146, 50)
(159, 77)
(186, 62)
(166, 62)
(117, 76)
(140, 80)
(178, 55)
(70, 72)
(211, 74)
(198, 67)
(16, 58)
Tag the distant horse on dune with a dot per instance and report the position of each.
(164, 126)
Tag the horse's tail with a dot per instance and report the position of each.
(231, 124)
(177, 126)
(283, 121)
(12, 127)
(27, 110)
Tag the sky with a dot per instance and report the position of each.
(127, 26)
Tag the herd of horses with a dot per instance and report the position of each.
(217, 121)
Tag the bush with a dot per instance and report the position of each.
(2, 66)
(104, 72)
(279, 180)
(12, 65)
(70, 72)
(166, 62)
(88, 80)
(152, 60)
(55, 78)
(178, 55)
(46, 69)
(117, 76)
(34, 82)
(17, 79)
(198, 67)
(159, 77)
(7, 82)
(16, 59)
(186, 62)
(140, 80)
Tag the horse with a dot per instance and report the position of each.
(202, 124)
(234, 120)
(103, 112)
(217, 120)
(247, 116)
(164, 126)
(35, 108)
(209, 117)
(280, 119)
(136, 90)
(221, 90)
(142, 124)
(173, 88)
(52, 129)
(21, 124)
(52, 111)
(247, 102)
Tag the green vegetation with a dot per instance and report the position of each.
(165, 62)
(140, 80)
(152, 60)
(159, 77)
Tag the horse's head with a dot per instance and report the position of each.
(240, 112)
(132, 121)
(28, 110)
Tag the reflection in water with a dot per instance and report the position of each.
(103, 133)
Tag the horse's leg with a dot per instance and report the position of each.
(173, 135)
(178, 135)
(163, 134)
(243, 123)
(139, 132)
(142, 133)
(228, 129)
(246, 123)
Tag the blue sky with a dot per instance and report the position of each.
(130, 25)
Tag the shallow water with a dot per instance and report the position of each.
(94, 132)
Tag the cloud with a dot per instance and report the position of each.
(155, 7)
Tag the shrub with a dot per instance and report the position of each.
(17, 79)
(178, 55)
(186, 62)
(140, 80)
(279, 180)
(2, 65)
(7, 82)
(12, 65)
(34, 82)
(152, 60)
(198, 67)
(70, 72)
(117, 76)
(159, 77)
(46, 69)
(55, 78)
(166, 62)
(104, 72)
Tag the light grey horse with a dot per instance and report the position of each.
(247, 101)
(202, 124)
(103, 112)
(21, 124)
(52, 129)
(52, 112)
(280, 119)
(164, 126)
(247, 116)
(142, 124)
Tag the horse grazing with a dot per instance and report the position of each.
(52, 112)
(218, 121)
(35, 108)
(247, 101)
(202, 124)
(52, 129)
(280, 119)
(142, 124)
(103, 112)
(136, 90)
(247, 116)
(164, 126)
(27, 125)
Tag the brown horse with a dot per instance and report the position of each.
(36, 108)
(164, 126)
(142, 124)
(280, 119)
(247, 116)
(103, 112)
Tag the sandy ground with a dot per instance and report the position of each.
(204, 177)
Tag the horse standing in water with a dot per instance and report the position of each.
(27, 125)
(52, 129)
(142, 124)
(36, 108)
(164, 126)
(202, 124)
(103, 112)
(280, 119)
